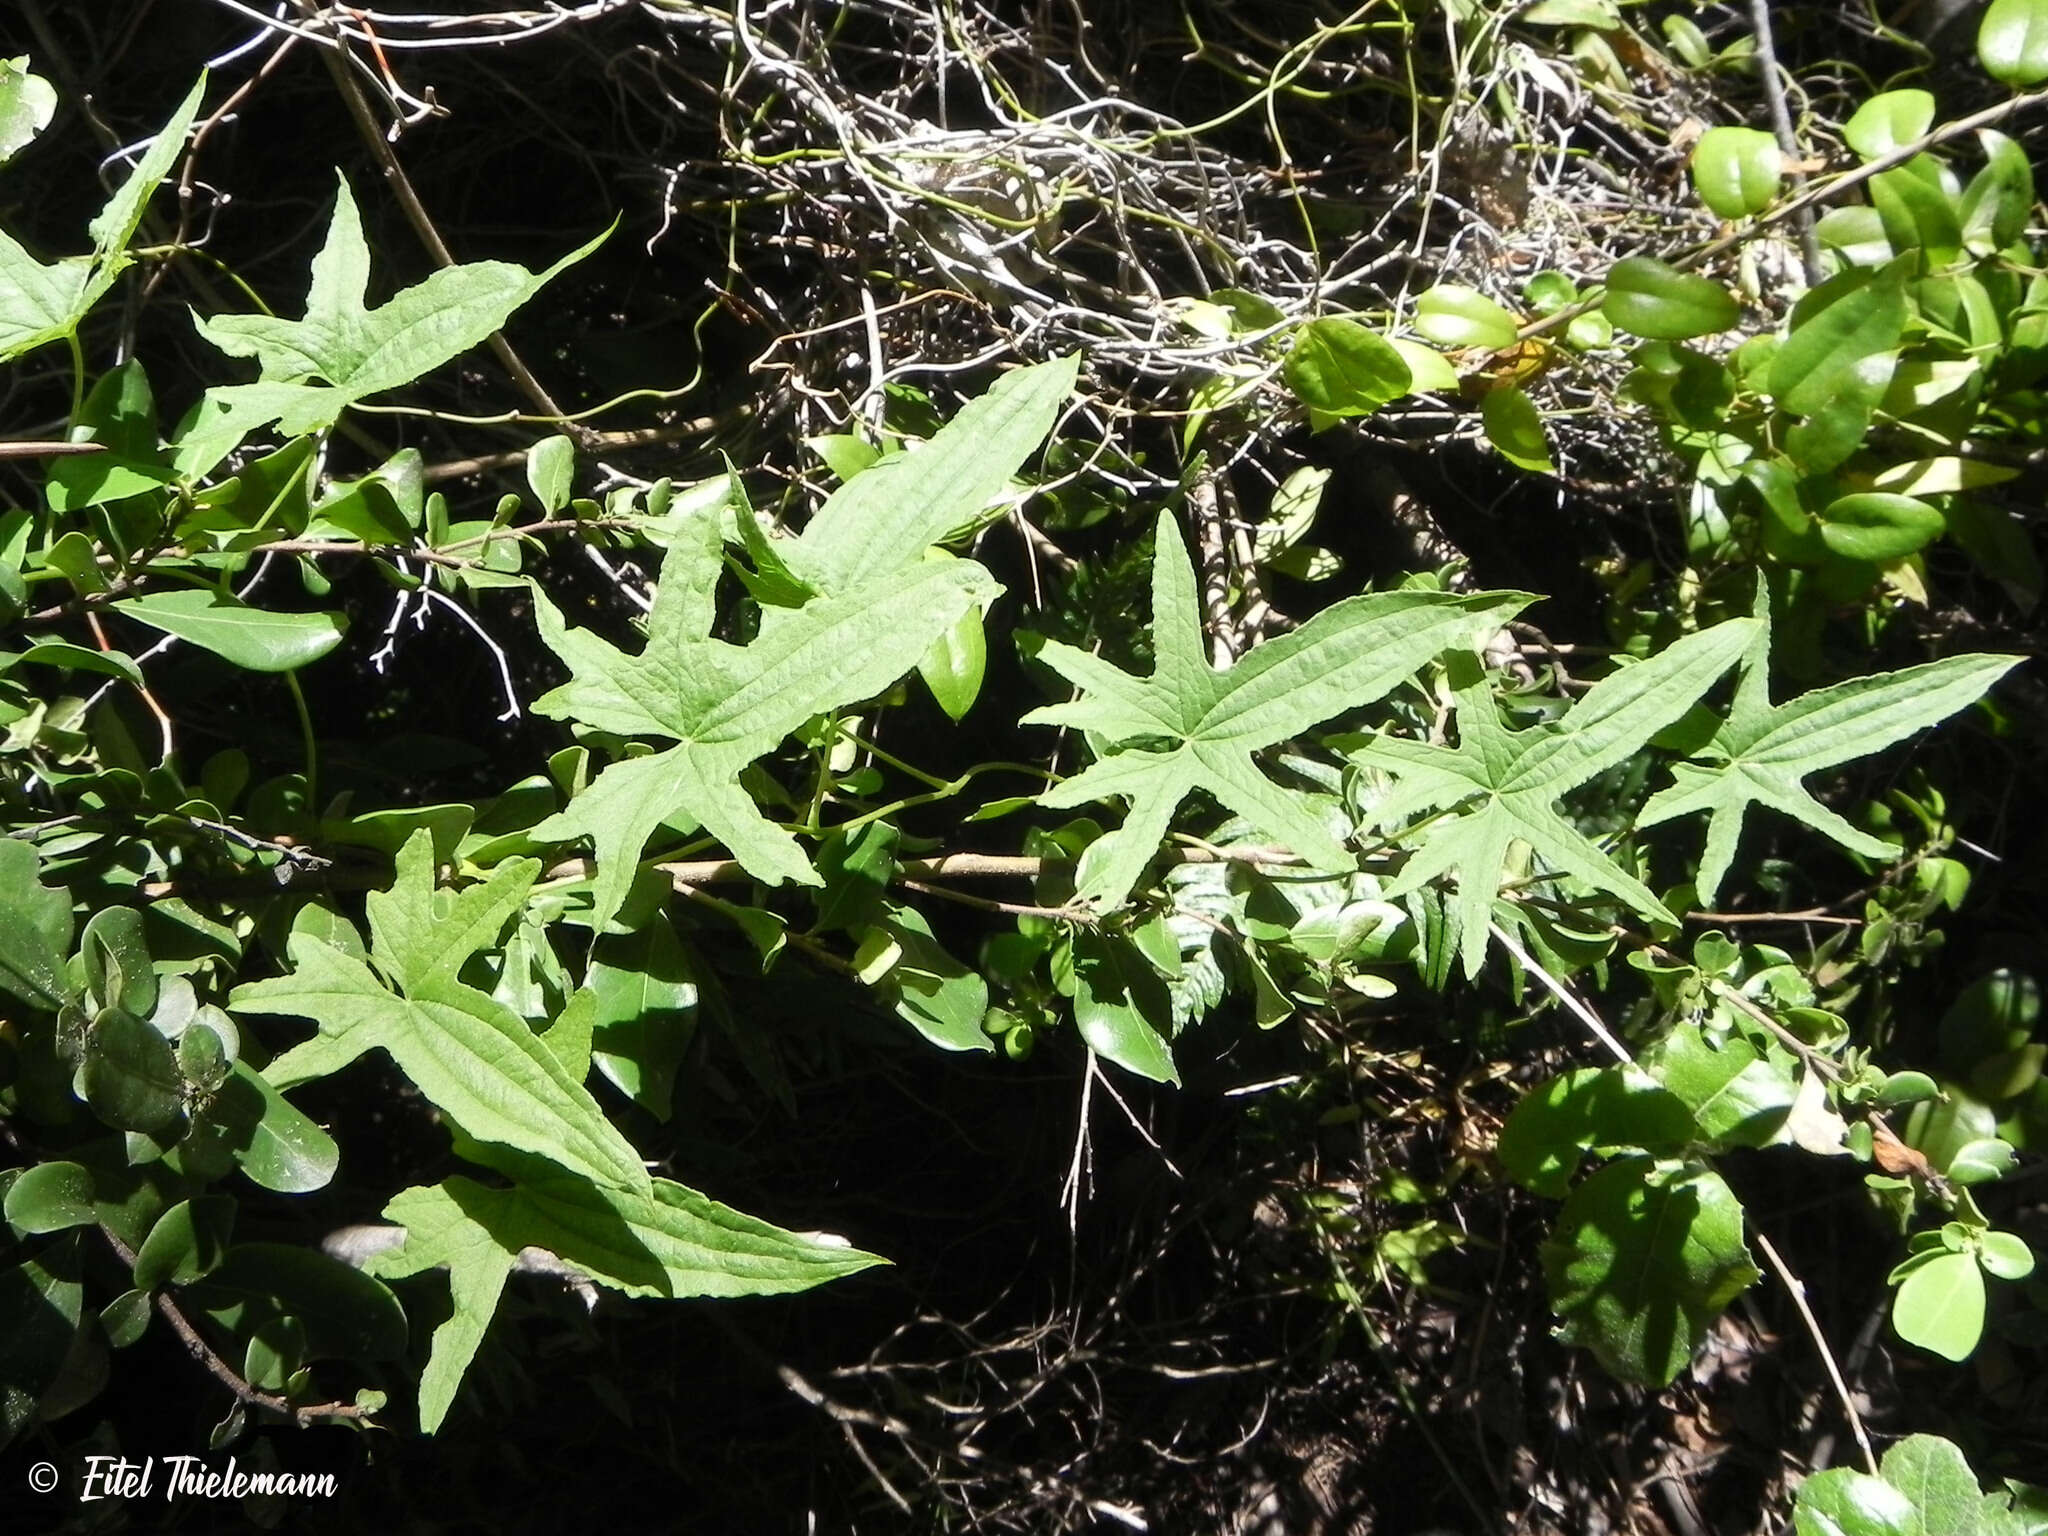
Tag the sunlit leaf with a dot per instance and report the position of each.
(1190, 726)
(1888, 121)
(314, 368)
(1643, 1259)
(1649, 298)
(1502, 787)
(2012, 42)
(1736, 171)
(1761, 752)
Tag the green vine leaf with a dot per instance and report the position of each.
(41, 303)
(473, 1057)
(1190, 726)
(726, 705)
(883, 607)
(1940, 1304)
(354, 351)
(1518, 776)
(1121, 1005)
(1924, 1487)
(665, 1241)
(1515, 428)
(1655, 300)
(1736, 171)
(890, 513)
(27, 103)
(1840, 331)
(1644, 1257)
(1556, 1124)
(1338, 367)
(1762, 752)
(1887, 121)
(2012, 42)
(253, 638)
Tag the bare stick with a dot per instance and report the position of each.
(1781, 124)
(1797, 1288)
(225, 1374)
(1563, 994)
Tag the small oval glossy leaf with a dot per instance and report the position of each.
(1837, 329)
(2000, 198)
(1889, 120)
(2006, 1255)
(1736, 171)
(1340, 368)
(1649, 298)
(254, 638)
(117, 963)
(1980, 1161)
(1515, 427)
(954, 666)
(125, 1319)
(50, 1197)
(277, 1145)
(1940, 1306)
(1121, 1006)
(1879, 526)
(1429, 371)
(2012, 42)
(1452, 315)
(1917, 216)
(34, 921)
(130, 1074)
(187, 1241)
(1906, 1088)
(550, 469)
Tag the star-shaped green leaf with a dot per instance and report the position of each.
(1761, 752)
(1212, 721)
(473, 1057)
(669, 1241)
(355, 351)
(726, 705)
(44, 302)
(1513, 779)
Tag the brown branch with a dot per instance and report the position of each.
(637, 437)
(338, 62)
(245, 1392)
(1796, 1289)
(1809, 915)
(947, 866)
(1204, 502)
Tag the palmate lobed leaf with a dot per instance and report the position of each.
(667, 1241)
(889, 514)
(1349, 655)
(1762, 752)
(1515, 778)
(879, 608)
(728, 705)
(473, 1057)
(354, 351)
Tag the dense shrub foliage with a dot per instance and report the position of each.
(419, 811)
